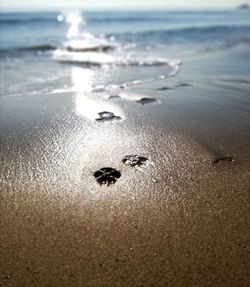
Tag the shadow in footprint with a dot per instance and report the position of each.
(223, 159)
(217, 154)
(180, 85)
(107, 116)
(135, 160)
(165, 89)
(146, 101)
(183, 85)
(114, 97)
(107, 175)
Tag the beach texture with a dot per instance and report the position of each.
(176, 213)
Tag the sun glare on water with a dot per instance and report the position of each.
(74, 19)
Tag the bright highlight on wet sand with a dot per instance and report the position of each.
(124, 148)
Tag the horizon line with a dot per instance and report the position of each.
(118, 9)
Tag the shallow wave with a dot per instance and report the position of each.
(100, 59)
(72, 50)
(32, 49)
(127, 18)
(171, 66)
(44, 47)
(193, 34)
(27, 18)
(20, 21)
(92, 44)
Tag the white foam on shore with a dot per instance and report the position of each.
(85, 49)
(96, 58)
(89, 43)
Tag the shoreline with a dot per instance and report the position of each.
(181, 221)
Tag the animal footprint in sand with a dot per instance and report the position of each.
(222, 159)
(107, 116)
(145, 101)
(135, 160)
(107, 175)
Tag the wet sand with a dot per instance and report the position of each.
(181, 220)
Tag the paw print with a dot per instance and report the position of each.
(107, 116)
(107, 175)
(135, 160)
(221, 159)
(146, 101)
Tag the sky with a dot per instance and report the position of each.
(115, 4)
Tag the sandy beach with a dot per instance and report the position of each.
(182, 220)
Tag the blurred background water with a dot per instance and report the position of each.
(33, 45)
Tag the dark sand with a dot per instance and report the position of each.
(180, 221)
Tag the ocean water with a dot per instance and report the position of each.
(39, 50)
